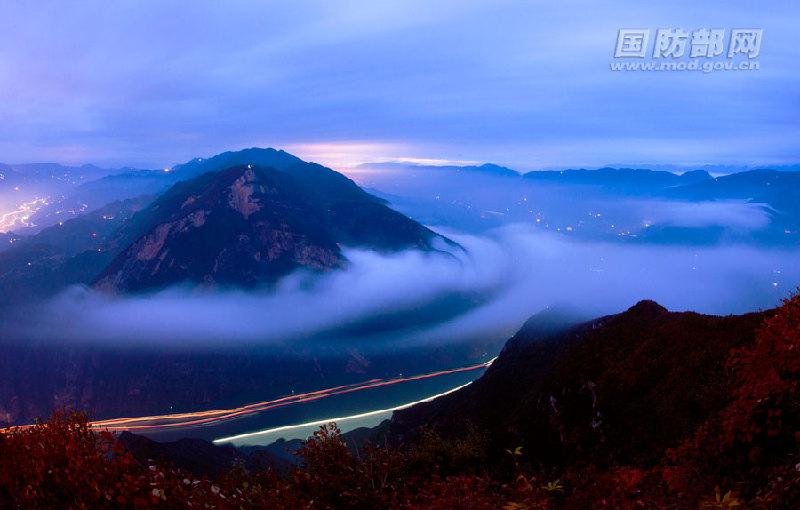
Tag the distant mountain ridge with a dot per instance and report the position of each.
(622, 179)
(485, 168)
(242, 218)
(696, 184)
(34, 173)
(768, 186)
(631, 205)
(64, 254)
(86, 194)
(357, 218)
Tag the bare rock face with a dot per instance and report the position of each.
(241, 195)
(240, 219)
(247, 226)
(244, 226)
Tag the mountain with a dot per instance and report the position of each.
(781, 168)
(7, 240)
(248, 225)
(69, 252)
(50, 174)
(778, 188)
(9, 176)
(619, 205)
(59, 172)
(491, 169)
(199, 457)
(624, 180)
(244, 225)
(55, 193)
(267, 157)
(92, 195)
(73, 191)
(619, 389)
(487, 169)
(643, 409)
(130, 183)
(240, 225)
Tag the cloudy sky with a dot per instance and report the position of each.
(526, 84)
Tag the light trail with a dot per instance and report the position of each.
(199, 418)
(317, 423)
(194, 419)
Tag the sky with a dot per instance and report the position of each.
(524, 84)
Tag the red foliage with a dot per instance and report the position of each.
(746, 453)
(765, 404)
(752, 444)
(63, 464)
(758, 430)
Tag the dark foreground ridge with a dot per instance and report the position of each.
(644, 409)
(618, 389)
(199, 457)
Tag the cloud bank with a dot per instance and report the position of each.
(514, 270)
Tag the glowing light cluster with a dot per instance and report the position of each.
(21, 217)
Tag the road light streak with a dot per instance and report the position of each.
(199, 418)
(215, 416)
(368, 414)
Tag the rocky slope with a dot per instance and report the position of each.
(621, 388)
(249, 225)
(240, 219)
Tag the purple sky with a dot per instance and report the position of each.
(516, 83)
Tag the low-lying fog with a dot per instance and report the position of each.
(528, 245)
(478, 199)
(506, 275)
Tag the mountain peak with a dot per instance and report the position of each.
(491, 168)
(249, 225)
(648, 308)
(693, 176)
(267, 157)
